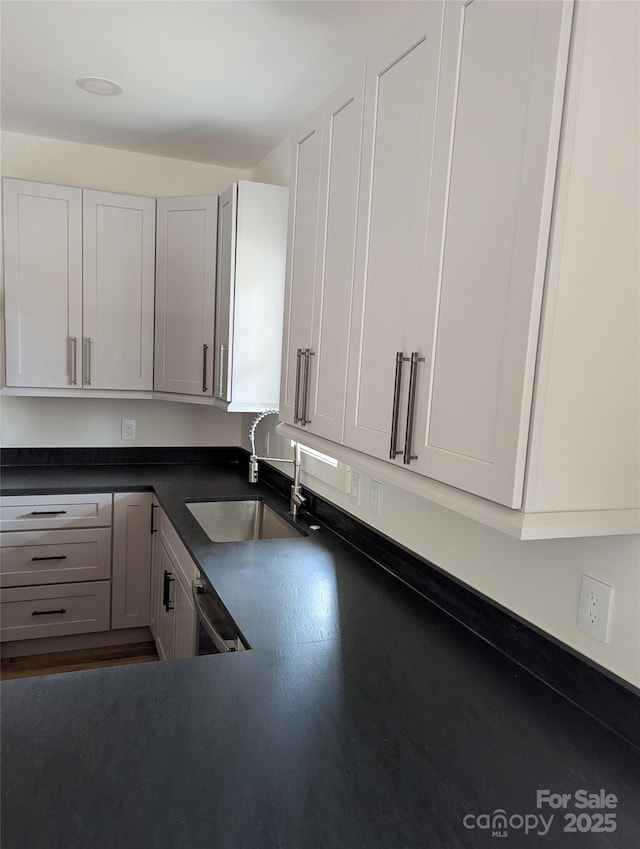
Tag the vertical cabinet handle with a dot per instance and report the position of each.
(296, 412)
(308, 353)
(411, 406)
(154, 507)
(221, 371)
(87, 361)
(73, 356)
(205, 349)
(395, 410)
(166, 591)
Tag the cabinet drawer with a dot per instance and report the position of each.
(24, 512)
(54, 610)
(44, 557)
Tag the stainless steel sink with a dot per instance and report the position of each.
(234, 521)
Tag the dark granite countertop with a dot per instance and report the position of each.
(362, 717)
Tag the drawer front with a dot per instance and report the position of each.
(45, 557)
(54, 610)
(26, 512)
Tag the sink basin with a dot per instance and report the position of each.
(234, 521)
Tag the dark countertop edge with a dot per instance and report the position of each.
(609, 699)
(134, 455)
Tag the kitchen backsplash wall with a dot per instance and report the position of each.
(89, 422)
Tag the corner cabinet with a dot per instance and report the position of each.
(474, 375)
(79, 281)
(252, 232)
(185, 294)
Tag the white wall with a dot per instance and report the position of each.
(55, 422)
(276, 165)
(95, 422)
(108, 169)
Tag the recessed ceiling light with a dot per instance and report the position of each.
(98, 85)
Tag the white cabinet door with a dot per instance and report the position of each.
(131, 559)
(43, 283)
(399, 119)
(252, 243)
(185, 294)
(225, 286)
(301, 259)
(165, 581)
(118, 291)
(500, 104)
(184, 638)
(339, 183)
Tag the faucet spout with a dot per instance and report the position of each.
(296, 499)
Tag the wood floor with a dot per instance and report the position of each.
(72, 661)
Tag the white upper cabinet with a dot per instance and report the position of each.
(304, 191)
(252, 233)
(502, 80)
(392, 299)
(79, 288)
(43, 283)
(319, 301)
(185, 294)
(118, 290)
(493, 352)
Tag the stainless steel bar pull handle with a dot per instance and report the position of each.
(73, 356)
(395, 412)
(205, 349)
(221, 370)
(411, 408)
(308, 353)
(87, 368)
(296, 410)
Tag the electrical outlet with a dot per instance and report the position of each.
(128, 429)
(594, 608)
(375, 497)
(354, 486)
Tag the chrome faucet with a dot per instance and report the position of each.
(296, 499)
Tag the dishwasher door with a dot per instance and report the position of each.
(216, 632)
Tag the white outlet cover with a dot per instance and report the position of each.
(128, 429)
(375, 497)
(594, 608)
(354, 486)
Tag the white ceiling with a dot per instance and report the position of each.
(219, 81)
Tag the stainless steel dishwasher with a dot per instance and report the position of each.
(216, 632)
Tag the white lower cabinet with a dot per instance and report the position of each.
(173, 616)
(74, 564)
(54, 610)
(131, 559)
(56, 565)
